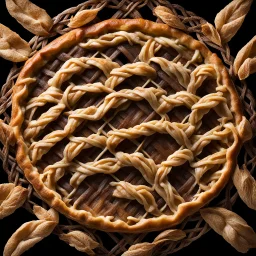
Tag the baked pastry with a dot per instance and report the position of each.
(127, 125)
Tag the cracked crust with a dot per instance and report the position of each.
(74, 37)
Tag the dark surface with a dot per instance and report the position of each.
(209, 244)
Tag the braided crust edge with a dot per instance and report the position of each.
(20, 92)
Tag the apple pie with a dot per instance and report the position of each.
(127, 125)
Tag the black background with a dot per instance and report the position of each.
(209, 244)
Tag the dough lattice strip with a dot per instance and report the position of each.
(140, 193)
(148, 51)
(51, 95)
(180, 132)
(203, 106)
(215, 134)
(205, 164)
(173, 69)
(116, 38)
(163, 186)
(78, 65)
(118, 75)
(199, 75)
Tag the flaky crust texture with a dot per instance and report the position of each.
(20, 92)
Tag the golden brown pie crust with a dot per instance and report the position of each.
(76, 36)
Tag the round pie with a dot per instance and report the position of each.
(127, 125)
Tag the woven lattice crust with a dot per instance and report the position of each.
(231, 130)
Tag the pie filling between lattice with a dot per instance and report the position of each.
(127, 125)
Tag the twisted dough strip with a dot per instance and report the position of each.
(173, 69)
(115, 99)
(74, 92)
(203, 106)
(83, 170)
(118, 75)
(185, 52)
(148, 50)
(51, 177)
(183, 98)
(51, 95)
(180, 132)
(146, 166)
(161, 183)
(113, 39)
(35, 126)
(200, 74)
(148, 169)
(38, 149)
(53, 173)
(200, 141)
(207, 163)
(68, 69)
(78, 65)
(77, 144)
(141, 193)
(73, 149)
